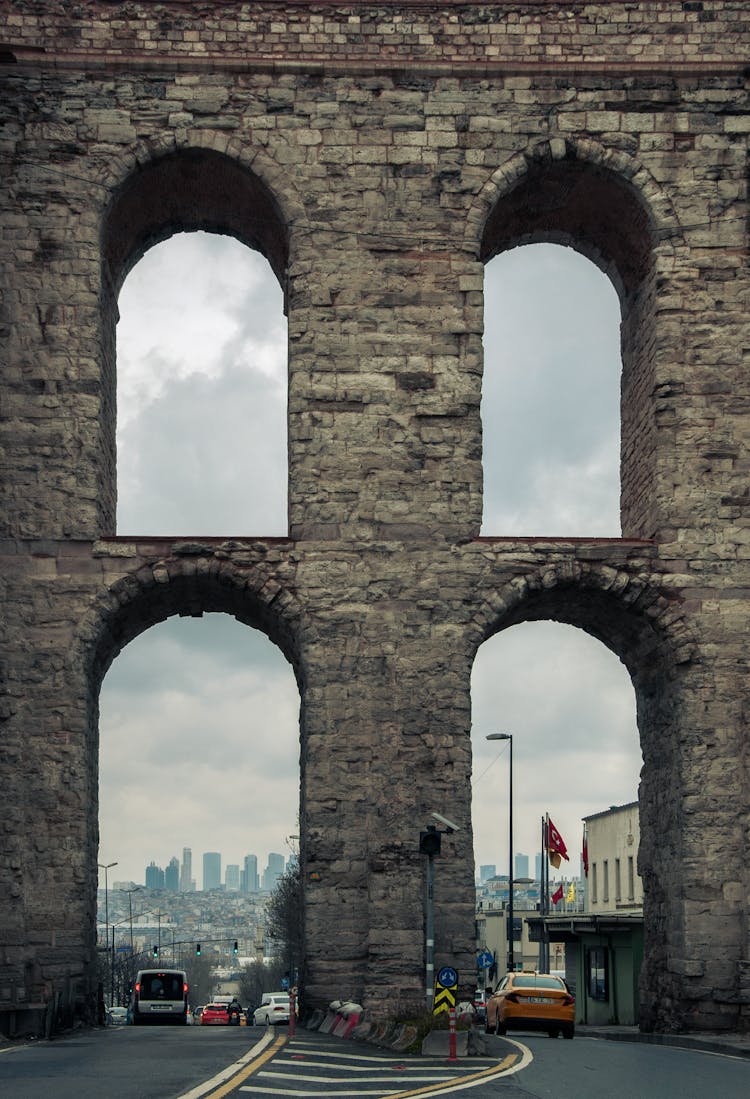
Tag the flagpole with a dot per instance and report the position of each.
(542, 908)
(546, 892)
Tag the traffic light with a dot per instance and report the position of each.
(429, 841)
(236, 948)
(155, 951)
(197, 950)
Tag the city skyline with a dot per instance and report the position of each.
(276, 864)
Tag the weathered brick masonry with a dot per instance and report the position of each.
(379, 155)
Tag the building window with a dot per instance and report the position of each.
(631, 879)
(597, 980)
(605, 881)
(618, 888)
(594, 888)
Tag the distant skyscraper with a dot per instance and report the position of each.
(487, 872)
(249, 876)
(537, 867)
(232, 877)
(212, 870)
(154, 876)
(273, 871)
(186, 872)
(172, 875)
(521, 866)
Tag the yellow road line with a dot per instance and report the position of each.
(243, 1074)
(459, 1081)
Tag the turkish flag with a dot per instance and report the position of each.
(557, 896)
(556, 848)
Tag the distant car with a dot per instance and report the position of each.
(274, 1008)
(117, 1016)
(531, 1001)
(160, 996)
(215, 1015)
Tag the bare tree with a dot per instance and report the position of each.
(284, 926)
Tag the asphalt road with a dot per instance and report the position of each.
(247, 1063)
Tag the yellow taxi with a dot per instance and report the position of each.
(531, 1001)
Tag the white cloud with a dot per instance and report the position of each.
(550, 395)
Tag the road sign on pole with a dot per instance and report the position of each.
(446, 989)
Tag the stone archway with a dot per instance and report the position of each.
(628, 613)
(184, 584)
(604, 204)
(180, 190)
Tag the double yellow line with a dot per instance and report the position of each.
(253, 1066)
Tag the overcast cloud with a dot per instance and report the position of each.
(210, 708)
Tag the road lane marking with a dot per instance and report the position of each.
(226, 1080)
(510, 1064)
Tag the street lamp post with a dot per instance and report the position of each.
(130, 892)
(509, 738)
(106, 868)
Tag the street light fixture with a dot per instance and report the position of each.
(509, 738)
(106, 867)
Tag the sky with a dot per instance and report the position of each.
(210, 708)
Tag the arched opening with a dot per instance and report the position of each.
(180, 193)
(199, 754)
(206, 711)
(201, 392)
(556, 198)
(569, 705)
(550, 395)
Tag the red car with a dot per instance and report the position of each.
(215, 1015)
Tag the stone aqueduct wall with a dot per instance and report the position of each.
(379, 155)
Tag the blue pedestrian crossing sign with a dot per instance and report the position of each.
(446, 989)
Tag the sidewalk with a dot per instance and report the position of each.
(709, 1042)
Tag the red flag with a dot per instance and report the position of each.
(556, 848)
(585, 852)
(557, 896)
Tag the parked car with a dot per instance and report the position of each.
(531, 1001)
(215, 1015)
(274, 1008)
(480, 1005)
(117, 1016)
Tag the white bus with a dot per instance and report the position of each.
(160, 996)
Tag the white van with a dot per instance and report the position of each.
(160, 996)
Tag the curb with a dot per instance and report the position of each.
(738, 1047)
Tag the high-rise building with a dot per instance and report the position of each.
(487, 872)
(521, 863)
(273, 871)
(249, 875)
(212, 870)
(154, 876)
(172, 875)
(186, 872)
(232, 877)
(537, 867)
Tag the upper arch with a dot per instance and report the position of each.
(208, 182)
(190, 586)
(185, 191)
(555, 192)
(623, 609)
